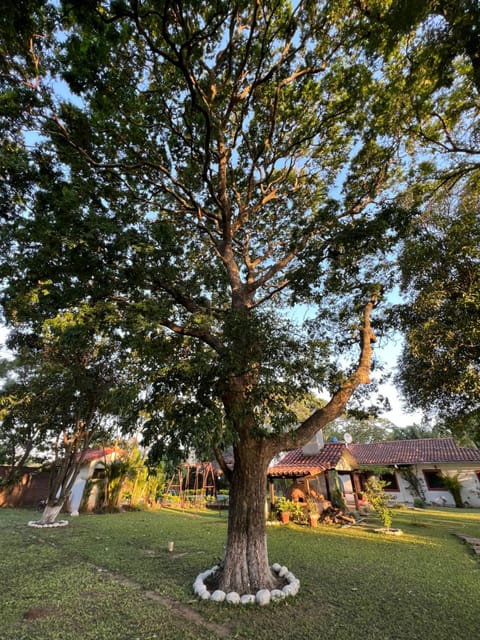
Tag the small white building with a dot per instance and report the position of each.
(413, 469)
(416, 469)
(93, 467)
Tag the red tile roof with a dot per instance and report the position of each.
(424, 450)
(296, 463)
(96, 454)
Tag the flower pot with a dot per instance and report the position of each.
(313, 519)
(285, 517)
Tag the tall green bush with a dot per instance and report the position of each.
(377, 498)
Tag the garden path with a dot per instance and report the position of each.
(470, 540)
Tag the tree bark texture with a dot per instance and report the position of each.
(50, 513)
(245, 568)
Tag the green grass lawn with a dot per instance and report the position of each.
(111, 577)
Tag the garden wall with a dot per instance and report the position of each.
(30, 490)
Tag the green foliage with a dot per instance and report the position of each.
(464, 426)
(416, 431)
(430, 51)
(130, 478)
(419, 503)
(415, 485)
(199, 175)
(442, 319)
(454, 486)
(337, 497)
(298, 513)
(116, 472)
(189, 273)
(362, 429)
(64, 391)
(284, 505)
(375, 494)
(25, 412)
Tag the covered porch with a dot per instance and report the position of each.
(328, 477)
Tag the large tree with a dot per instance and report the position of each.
(210, 169)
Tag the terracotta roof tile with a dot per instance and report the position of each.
(96, 454)
(424, 450)
(296, 463)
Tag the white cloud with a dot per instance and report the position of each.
(398, 415)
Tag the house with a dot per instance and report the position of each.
(33, 485)
(91, 471)
(317, 470)
(413, 469)
(416, 468)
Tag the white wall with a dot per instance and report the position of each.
(85, 473)
(466, 474)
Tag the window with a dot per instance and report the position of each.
(434, 480)
(391, 479)
(99, 473)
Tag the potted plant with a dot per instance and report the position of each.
(284, 509)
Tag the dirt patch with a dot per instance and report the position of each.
(179, 608)
(37, 613)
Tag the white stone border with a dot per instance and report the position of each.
(389, 532)
(262, 597)
(38, 525)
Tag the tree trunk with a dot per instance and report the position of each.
(50, 513)
(245, 568)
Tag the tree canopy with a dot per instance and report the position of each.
(441, 269)
(432, 47)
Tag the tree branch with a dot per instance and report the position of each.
(335, 407)
(201, 334)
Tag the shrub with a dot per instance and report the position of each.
(378, 500)
(283, 505)
(454, 486)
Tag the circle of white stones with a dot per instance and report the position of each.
(262, 597)
(38, 525)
